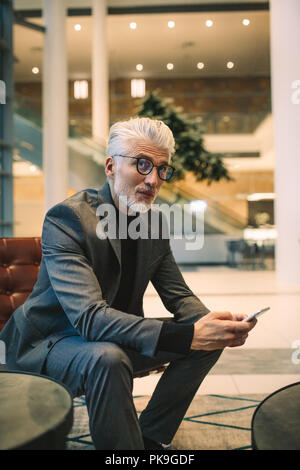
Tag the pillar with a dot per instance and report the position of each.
(55, 103)
(100, 85)
(285, 76)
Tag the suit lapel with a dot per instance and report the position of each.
(104, 196)
(143, 257)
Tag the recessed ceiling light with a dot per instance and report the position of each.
(35, 70)
(200, 65)
(170, 66)
(171, 24)
(132, 25)
(77, 27)
(33, 168)
(139, 67)
(246, 22)
(209, 23)
(230, 65)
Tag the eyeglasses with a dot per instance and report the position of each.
(144, 166)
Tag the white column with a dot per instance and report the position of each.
(100, 85)
(285, 74)
(55, 103)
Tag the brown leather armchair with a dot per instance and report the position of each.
(19, 266)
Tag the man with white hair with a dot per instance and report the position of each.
(84, 324)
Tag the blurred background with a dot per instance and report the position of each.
(78, 66)
(225, 76)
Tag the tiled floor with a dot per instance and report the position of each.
(265, 363)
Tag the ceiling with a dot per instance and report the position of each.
(153, 44)
(33, 4)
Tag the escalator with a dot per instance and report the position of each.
(86, 157)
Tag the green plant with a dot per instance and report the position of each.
(190, 153)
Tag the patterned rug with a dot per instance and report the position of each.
(212, 422)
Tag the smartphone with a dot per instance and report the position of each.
(256, 314)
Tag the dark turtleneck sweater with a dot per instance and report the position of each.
(174, 337)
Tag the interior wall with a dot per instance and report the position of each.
(29, 211)
(28, 206)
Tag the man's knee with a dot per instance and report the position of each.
(108, 357)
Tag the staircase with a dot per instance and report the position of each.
(86, 157)
(217, 218)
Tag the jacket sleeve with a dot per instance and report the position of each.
(79, 292)
(174, 293)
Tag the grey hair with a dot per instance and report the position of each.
(123, 133)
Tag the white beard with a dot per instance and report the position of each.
(133, 206)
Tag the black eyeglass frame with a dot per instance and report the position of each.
(156, 166)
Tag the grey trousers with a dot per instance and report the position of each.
(103, 372)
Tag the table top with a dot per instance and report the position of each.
(276, 421)
(30, 406)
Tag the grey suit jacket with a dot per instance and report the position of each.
(78, 280)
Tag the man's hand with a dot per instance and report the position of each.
(216, 330)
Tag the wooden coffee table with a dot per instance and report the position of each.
(36, 412)
(276, 421)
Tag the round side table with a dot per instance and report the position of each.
(276, 421)
(36, 412)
